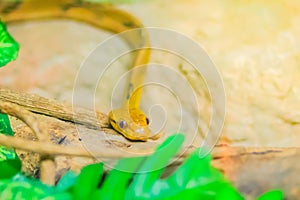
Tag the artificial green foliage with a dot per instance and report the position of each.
(135, 178)
(5, 127)
(10, 163)
(90, 175)
(21, 187)
(66, 182)
(118, 179)
(9, 48)
(272, 195)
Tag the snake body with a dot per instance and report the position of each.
(129, 119)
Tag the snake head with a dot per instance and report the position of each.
(132, 123)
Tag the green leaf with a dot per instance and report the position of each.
(9, 167)
(151, 170)
(60, 196)
(9, 48)
(10, 164)
(272, 195)
(118, 179)
(48, 190)
(88, 181)
(22, 190)
(66, 182)
(21, 187)
(5, 127)
(195, 178)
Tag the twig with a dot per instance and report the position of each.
(27, 117)
(47, 167)
(54, 149)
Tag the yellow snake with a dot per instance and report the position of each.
(129, 120)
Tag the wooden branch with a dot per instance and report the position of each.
(47, 172)
(54, 149)
(27, 117)
(52, 108)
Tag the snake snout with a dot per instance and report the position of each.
(140, 130)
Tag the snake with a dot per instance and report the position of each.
(129, 120)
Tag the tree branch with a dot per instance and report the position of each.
(54, 149)
(52, 108)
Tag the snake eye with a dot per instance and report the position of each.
(147, 120)
(122, 124)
